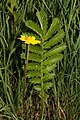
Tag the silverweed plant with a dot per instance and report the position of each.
(28, 40)
(41, 59)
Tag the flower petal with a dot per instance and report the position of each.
(29, 40)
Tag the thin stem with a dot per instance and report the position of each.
(42, 94)
(24, 87)
(42, 88)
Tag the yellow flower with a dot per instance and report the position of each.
(29, 40)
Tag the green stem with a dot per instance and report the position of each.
(24, 87)
(42, 89)
(42, 96)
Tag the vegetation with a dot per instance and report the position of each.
(53, 78)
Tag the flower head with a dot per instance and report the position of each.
(29, 40)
